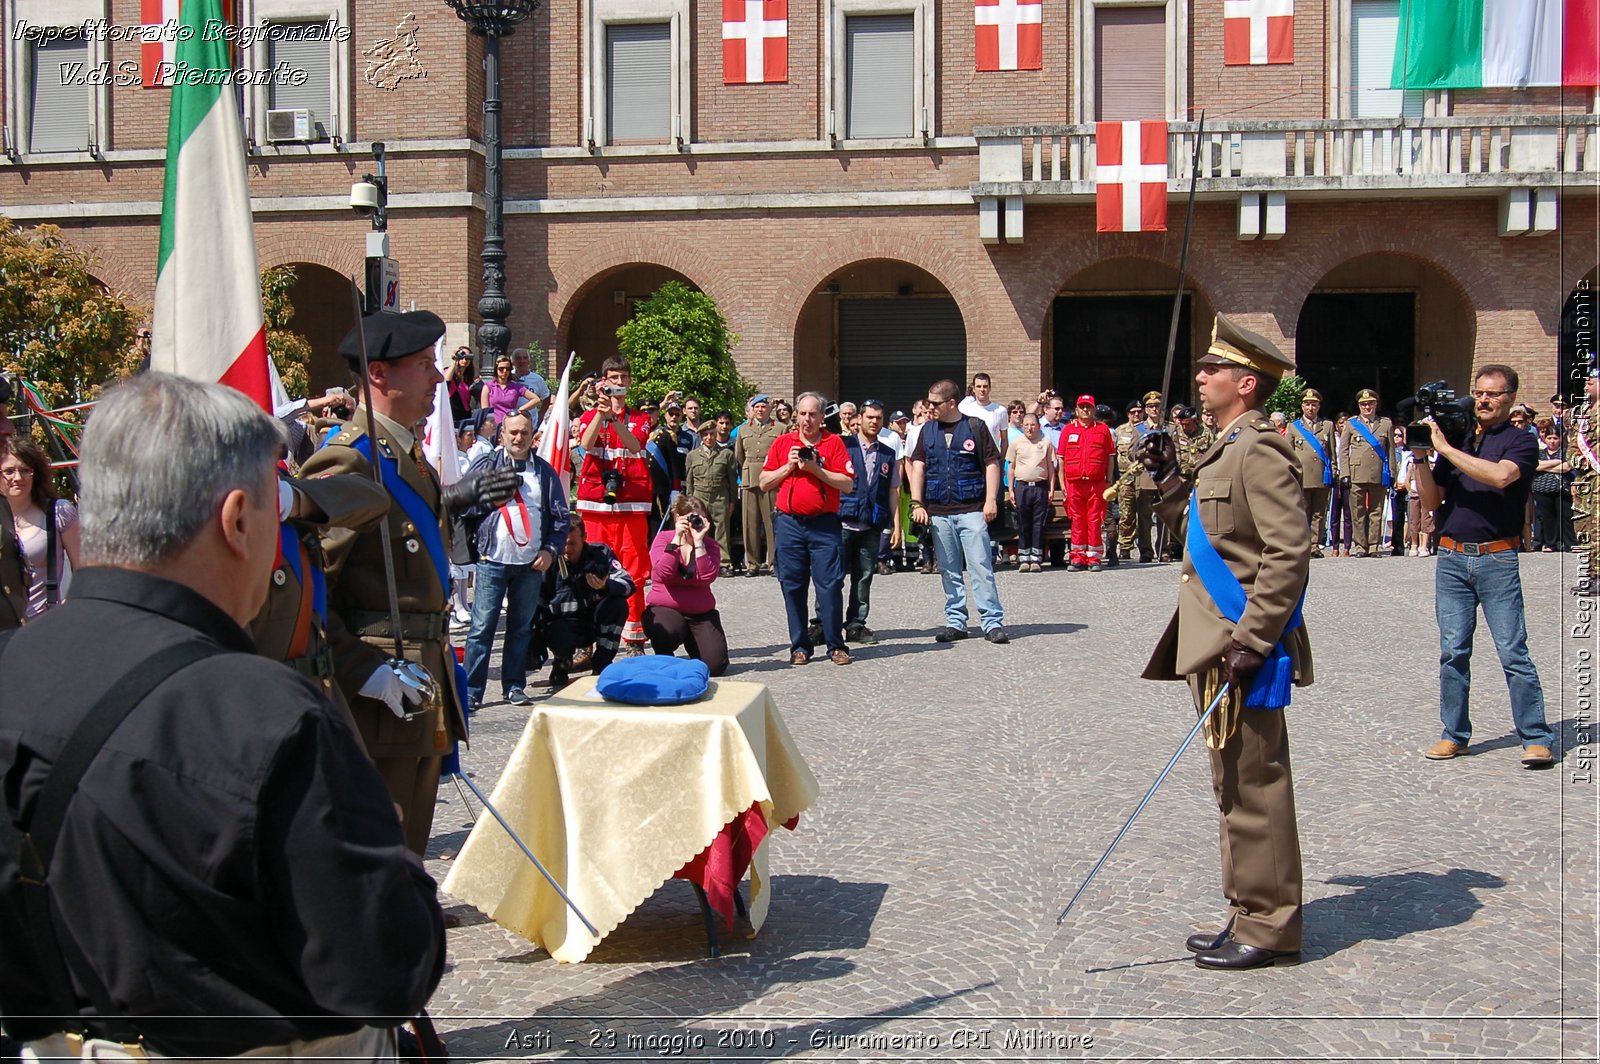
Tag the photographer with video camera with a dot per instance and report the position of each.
(586, 601)
(614, 485)
(1480, 489)
(680, 609)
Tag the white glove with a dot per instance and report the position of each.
(285, 500)
(386, 687)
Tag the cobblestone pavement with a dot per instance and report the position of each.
(967, 789)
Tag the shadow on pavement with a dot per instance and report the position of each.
(1566, 738)
(1385, 907)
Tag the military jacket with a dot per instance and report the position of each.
(1311, 467)
(711, 475)
(1357, 460)
(750, 448)
(1191, 449)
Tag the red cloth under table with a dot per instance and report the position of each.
(721, 866)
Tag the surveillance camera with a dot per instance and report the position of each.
(364, 197)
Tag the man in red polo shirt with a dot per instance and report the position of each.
(809, 468)
(614, 486)
(1087, 453)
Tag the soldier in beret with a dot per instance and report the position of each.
(405, 736)
(1247, 558)
(1311, 439)
(13, 578)
(1364, 471)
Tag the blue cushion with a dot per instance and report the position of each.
(654, 680)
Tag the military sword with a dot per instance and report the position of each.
(1212, 708)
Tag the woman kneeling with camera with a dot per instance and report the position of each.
(680, 609)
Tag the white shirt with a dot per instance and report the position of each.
(518, 523)
(993, 414)
(892, 438)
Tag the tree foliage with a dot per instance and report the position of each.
(1286, 398)
(290, 351)
(60, 328)
(679, 341)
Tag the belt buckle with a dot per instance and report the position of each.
(1472, 550)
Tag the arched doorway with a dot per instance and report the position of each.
(605, 305)
(879, 329)
(1108, 328)
(1387, 322)
(324, 315)
(1580, 337)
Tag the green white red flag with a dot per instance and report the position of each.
(1466, 44)
(208, 322)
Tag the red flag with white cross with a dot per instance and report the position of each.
(1130, 173)
(1010, 34)
(158, 41)
(755, 41)
(1257, 32)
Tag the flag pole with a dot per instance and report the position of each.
(1183, 262)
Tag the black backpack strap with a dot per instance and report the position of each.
(52, 574)
(32, 846)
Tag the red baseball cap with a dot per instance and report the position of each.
(1086, 400)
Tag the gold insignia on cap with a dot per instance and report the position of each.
(1366, 395)
(1152, 397)
(1242, 347)
(1313, 394)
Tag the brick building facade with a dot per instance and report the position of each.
(888, 213)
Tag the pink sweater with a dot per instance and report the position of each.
(669, 587)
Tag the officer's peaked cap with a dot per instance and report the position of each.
(1237, 346)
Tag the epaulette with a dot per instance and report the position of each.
(1263, 424)
(345, 437)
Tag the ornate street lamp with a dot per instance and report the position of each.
(491, 21)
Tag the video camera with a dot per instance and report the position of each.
(1452, 413)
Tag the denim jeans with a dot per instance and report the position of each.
(521, 587)
(860, 555)
(811, 549)
(1461, 584)
(964, 538)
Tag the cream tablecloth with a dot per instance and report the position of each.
(615, 798)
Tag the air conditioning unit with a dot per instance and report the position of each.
(285, 125)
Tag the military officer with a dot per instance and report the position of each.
(404, 733)
(1136, 498)
(1245, 529)
(1311, 440)
(13, 578)
(1363, 465)
(712, 476)
(750, 449)
(1585, 445)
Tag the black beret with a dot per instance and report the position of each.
(394, 336)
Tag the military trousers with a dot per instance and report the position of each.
(1366, 516)
(1136, 513)
(1317, 510)
(758, 523)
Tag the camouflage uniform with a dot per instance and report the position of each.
(1135, 502)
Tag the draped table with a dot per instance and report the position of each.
(615, 799)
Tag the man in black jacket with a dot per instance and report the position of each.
(231, 875)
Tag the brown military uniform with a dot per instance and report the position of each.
(13, 574)
(1254, 515)
(712, 476)
(1315, 475)
(408, 753)
(288, 629)
(1364, 466)
(750, 449)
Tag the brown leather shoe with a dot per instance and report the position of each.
(799, 657)
(840, 657)
(1444, 750)
(1537, 757)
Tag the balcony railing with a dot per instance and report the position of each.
(1044, 161)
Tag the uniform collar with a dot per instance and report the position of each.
(169, 599)
(403, 437)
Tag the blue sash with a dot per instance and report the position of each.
(290, 544)
(1273, 684)
(1142, 428)
(1316, 448)
(421, 514)
(451, 765)
(659, 456)
(1383, 452)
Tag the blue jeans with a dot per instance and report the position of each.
(1461, 584)
(521, 588)
(965, 537)
(811, 548)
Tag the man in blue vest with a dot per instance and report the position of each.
(865, 513)
(954, 469)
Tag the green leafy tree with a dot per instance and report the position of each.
(62, 330)
(679, 341)
(290, 351)
(1286, 398)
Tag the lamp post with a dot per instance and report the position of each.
(491, 20)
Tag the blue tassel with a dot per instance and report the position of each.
(1272, 685)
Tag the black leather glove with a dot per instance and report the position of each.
(1344, 482)
(1159, 454)
(1240, 665)
(485, 489)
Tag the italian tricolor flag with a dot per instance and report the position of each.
(1468, 44)
(208, 323)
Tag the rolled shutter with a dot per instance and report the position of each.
(1130, 63)
(880, 96)
(892, 349)
(59, 119)
(1374, 32)
(315, 94)
(639, 88)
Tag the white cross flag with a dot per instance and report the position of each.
(1257, 32)
(1010, 34)
(755, 41)
(1130, 194)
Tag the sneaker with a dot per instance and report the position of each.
(1095, 567)
(840, 657)
(950, 635)
(1076, 567)
(860, 633)
(997, 635)
(518, 697)
(630, 648)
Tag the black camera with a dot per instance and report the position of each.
(1452, 413)
(807, 454)
(697, 522)
(612, 479)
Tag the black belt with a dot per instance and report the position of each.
(314, 666)
(419, 627)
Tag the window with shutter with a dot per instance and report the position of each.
(880, 72)
(639, 83)
(1374, 30)
(315, 94)
(1130, 63)
(59, 110)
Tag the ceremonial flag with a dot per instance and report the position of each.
(158, 39)
(208, 323)
(755, 41)
(555, 443)
(1130, 194)
(1468, 44)
(439, 432)
(1010, 34)
(1257, 32)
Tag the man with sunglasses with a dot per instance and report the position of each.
(1480, 490)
